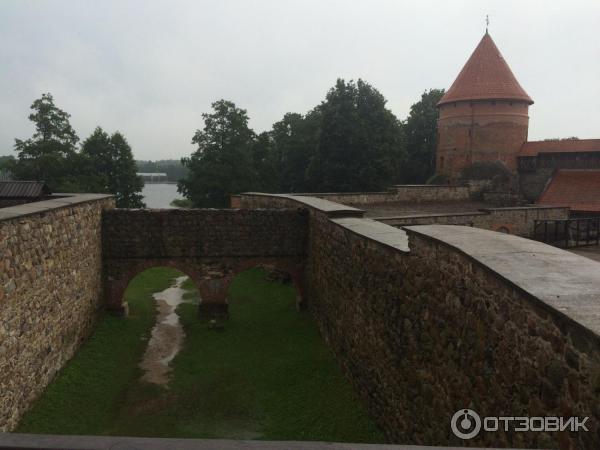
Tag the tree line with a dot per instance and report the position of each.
(349, 142)
(172, 167)
(102, 164)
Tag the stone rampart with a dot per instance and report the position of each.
(517, 220)
(431, 319)
(50, 292)
(399, 193)
(512, 220)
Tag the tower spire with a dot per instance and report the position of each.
(487, 23)
(485, 76)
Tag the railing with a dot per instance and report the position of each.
(566, 233)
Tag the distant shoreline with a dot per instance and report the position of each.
(160, 182)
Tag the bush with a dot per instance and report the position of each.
(495, 171)
(500, 178)
(438, 179)
(182, 203)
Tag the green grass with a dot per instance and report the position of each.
(89, 391)
(265, 375)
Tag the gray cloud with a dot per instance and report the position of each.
(150, 69)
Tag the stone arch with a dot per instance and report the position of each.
(505, 228)
(117, 280)
(212, 276)
(209, 245)
(214, 290)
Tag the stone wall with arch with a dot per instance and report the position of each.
(210, 246)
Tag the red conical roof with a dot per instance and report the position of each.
(485, 76)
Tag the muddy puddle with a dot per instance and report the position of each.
(167, 335)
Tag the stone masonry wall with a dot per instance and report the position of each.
(138, 233)
(209, 245)
(515, 220)
(6, 202)
(50, 293)
(425, 332)
(400, 193)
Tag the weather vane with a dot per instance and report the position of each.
(487, 23)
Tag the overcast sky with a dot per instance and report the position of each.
(151, 68)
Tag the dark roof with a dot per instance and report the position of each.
(560, 146)
(485, 76)
(577, 189)
(23, 189)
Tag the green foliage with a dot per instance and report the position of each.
(360, 142)
(350, 142)
(182, 203)
(6, 167)
(222, 165)
(497, 175)
(295, 140)
(266, 375)
(438, 179)
(49, 153)
(111, 161)
(104, 165)
(87, 392)
(421, 138)
(266, 164)
(493, 170)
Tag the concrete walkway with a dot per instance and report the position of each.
(592, 252)
(55, 442)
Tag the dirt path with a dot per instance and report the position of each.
(167, 335)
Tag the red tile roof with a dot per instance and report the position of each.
(560, 146)
(577, 189)
(485, 76)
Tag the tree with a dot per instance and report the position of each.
(222, 164)
(45, 156)
(295, 141)
(360, 143)
(6, 167)
(112, 169)
(266, 164)
(126, 185)
(421, 138)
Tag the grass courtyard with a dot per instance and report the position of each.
(266, 375)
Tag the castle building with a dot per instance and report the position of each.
(484, 117)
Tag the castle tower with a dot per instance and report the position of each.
(483, 116)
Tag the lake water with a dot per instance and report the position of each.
(159, 195)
